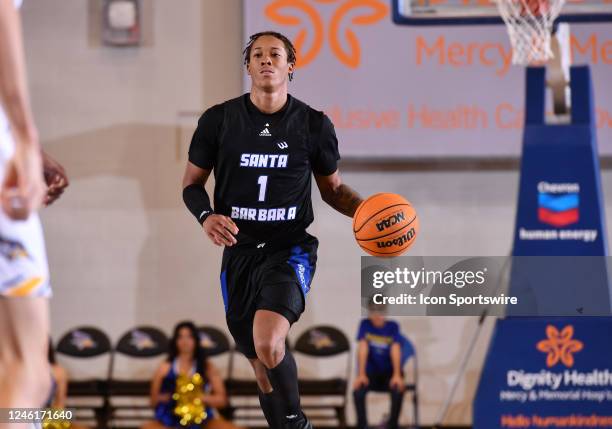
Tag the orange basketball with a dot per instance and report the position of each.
(385, 225)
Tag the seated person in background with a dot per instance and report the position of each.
(59, 386)
(185, 358)
(379, 364)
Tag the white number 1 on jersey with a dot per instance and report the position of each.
(262, 181)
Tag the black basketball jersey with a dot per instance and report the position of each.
(263, 164)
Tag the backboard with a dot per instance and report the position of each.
(479, 12)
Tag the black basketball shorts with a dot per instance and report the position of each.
(265, 277)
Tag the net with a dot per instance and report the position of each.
(530, 25)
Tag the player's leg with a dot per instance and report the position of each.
(359, 399)
(271, 404)
(269, 333)
(239, 294)
(380, 383)
(284, 281)
(397, 399)
(25, 377)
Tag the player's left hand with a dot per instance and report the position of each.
(396, 383)
(55, 178)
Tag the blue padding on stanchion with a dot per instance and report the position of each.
(536, 368)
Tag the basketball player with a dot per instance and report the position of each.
(24, 283)
(263, 147)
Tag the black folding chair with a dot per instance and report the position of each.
(213, 341)
(132, 367)
(85, 353)
(324, 342)
(409, 357)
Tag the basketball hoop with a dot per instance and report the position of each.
(530, 24)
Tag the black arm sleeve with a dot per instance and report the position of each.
(204, 143)
(325, 153)
(197, 201)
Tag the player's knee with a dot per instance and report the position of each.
(270, 351)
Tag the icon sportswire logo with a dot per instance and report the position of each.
(292, 13)
(560, 346)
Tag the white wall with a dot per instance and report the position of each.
(123, 249)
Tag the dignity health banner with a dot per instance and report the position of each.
(547, 374)
(398, 91)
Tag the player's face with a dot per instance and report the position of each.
(268, 66)
(185, 342)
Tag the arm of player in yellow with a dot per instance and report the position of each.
(23, 188)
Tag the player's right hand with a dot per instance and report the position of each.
(361, 380)
(23, 188)
(55, 178)
(220, 229)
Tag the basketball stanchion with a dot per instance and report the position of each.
(559, 200)
(502, 284)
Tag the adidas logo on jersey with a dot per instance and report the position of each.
(265, 132)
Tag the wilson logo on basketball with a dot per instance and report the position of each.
(390, 221)
(399, 241)
(306, 17)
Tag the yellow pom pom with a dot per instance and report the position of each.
(189, 406)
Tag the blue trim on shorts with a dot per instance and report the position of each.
(300, 262)
(224, 288)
